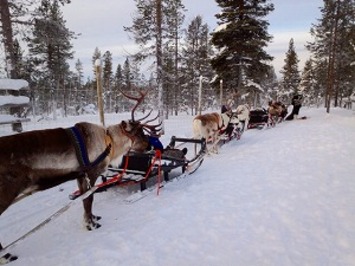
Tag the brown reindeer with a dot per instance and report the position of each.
(277, 112)
(208, 126)
(38, 160)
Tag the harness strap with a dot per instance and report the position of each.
(220, 128)
(158, 158)
(81, 150)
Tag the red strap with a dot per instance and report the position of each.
(158, 156)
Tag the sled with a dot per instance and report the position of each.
(140, 168)
(259, 118)
(233, 131)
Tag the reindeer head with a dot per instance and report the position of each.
(137, 130)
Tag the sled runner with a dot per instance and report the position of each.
(140, 168)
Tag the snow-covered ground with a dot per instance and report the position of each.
(280, 196)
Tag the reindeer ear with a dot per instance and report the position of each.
(124, 124)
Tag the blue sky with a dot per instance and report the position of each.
(101, 25)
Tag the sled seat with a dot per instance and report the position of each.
(258, 117)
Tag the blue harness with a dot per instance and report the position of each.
(81, 151)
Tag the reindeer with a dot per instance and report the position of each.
(277, 112)
(243, 115)
(208, 126)
(38, 160)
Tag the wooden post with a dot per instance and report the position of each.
(221, 92)
(200, 96)
(99, 91)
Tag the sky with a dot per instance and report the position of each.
(278, 196)
(100, 24)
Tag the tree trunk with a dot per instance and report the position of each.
(159, 55)
(176, 79)
(7, 34)
(331, 63)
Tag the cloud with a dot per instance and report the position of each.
(101, 25)
(280, 44)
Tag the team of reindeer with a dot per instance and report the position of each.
(230, 124)
(41, 159)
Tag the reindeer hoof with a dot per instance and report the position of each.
(92, 226)
(92, 223)
(96, 218)
(7, 258)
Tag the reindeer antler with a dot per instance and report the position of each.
(150, 129)
(138, 99)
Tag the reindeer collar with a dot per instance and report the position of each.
(81, 150)
(124, 131)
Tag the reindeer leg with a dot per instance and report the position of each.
(89, 219)
(214, 147)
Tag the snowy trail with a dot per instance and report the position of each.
(280, 196)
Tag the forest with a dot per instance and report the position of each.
(229, 64)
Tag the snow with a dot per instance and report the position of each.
(221, 27)
(280, 196)
(97, 62)
(13, 84)
(10, 99)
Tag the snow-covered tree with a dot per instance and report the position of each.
(332, 51)
(308, 85)
(107, 70)
(79, 72)
(107, 76)
(240, 39)
(290, 74)
(118, 83)
(14, 15)
(196, 55)
(155, 23)
(50, 49)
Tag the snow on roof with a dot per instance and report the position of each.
(13, 84)
(9, 118)
(13, 100)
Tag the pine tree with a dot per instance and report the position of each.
(308, 85)
(332, 49)
(240, 39)
(118, 85)
(79, 72)
(7, 34)
(127, 75)
(107, 70)
(174, 19)
(197, 52)
(50, 49)
(107, 79)
(12, 15)
(78, 79)
(290, 74)
(118, 80)
(154, 24)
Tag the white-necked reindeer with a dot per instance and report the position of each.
(208, 126)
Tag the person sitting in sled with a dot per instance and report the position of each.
(297, 104)
(155, 144)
